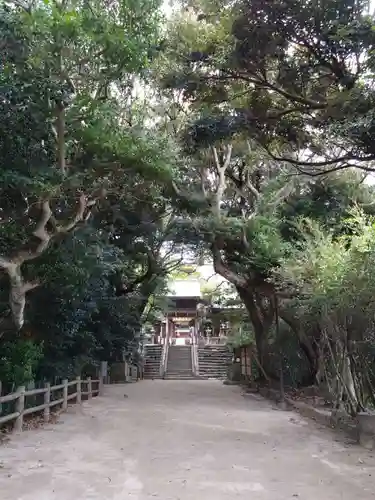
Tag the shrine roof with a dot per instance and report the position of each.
(184, 289)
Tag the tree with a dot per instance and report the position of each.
(261, 89)
(295, 77)
(83, 213)
(334, 282)
(63, 146)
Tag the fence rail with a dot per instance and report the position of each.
(94, 388)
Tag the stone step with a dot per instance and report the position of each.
(203, 372)
(213, 361)
(216, 360)
(178, 370)
(179, 363)
(153, 356)
(208, 368)
(221, 367)
(215, 373)
(216, 370)
(213, 367)
(179, 367)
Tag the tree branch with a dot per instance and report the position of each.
(281, 195)
(342, 160)
(41, 233)
(26, 6)
(146, 276)
(268, 85)
(12, 265)
(221, 169)
(203, 175)
(224, 271)
(249, 184)
(60, 137)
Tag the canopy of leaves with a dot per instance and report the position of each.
(295, 77)
(66, 82)
(272, 97)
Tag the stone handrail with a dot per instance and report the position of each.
(164, 359)
(194, 359)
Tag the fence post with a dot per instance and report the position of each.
(20, 406)
(47, 400)
(1, 393)
(89, 387)
(102, 374)
(65, 395)
(79, 390)
(128, 372)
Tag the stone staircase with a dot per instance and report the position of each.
(179, 365)
(213, 361)
(152, 360)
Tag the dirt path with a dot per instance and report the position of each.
(183, 440)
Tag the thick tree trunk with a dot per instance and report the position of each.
(261, 319)
(262, 315)
(306, 346)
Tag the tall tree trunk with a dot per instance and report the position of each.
(306, 346)
(261, 318)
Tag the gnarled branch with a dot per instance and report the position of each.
(12, 265)
(224, 271)
(221, 169)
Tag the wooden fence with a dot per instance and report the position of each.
(93, 388)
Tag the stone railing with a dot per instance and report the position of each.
(164, 359)
(194, 359)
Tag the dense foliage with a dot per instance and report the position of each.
(83, 218)
(240, 130)
(276, 123)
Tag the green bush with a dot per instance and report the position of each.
(19, 361)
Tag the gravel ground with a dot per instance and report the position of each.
(181, 440)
